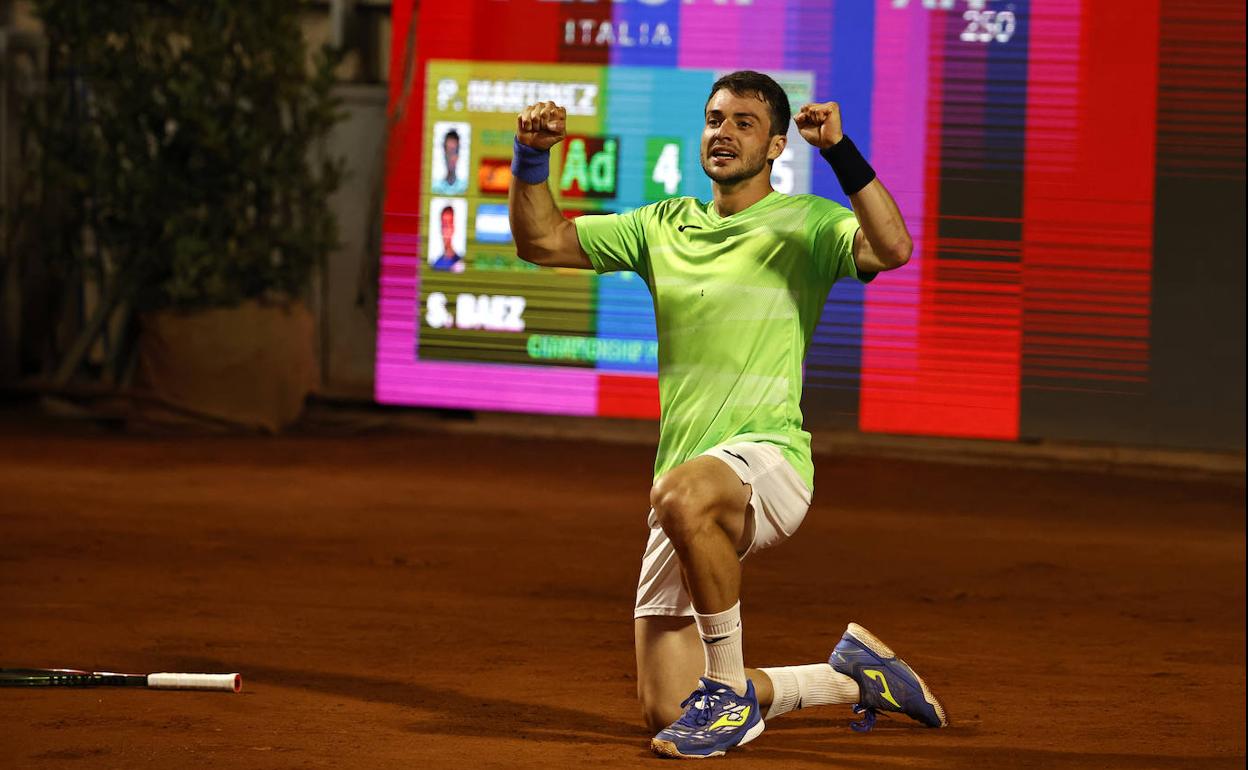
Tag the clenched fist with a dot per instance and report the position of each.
(820, 124)
(542, 125)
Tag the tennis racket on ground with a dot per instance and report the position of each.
(69, 677)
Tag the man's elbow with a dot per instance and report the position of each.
(898, 254)
(529, 248)
(537, 252)
(526, 252)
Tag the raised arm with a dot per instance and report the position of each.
(542, 235)
(882, 243)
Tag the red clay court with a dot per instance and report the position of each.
(442, 600)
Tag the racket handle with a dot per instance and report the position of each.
(164, 681)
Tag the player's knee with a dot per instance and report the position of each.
(682, 512)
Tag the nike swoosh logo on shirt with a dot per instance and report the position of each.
(739, 457)
(683, 228)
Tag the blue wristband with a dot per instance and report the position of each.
(529, 165)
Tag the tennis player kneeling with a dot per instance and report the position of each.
(738, 285)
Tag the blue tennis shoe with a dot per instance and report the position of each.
(884, 680)
(716, 719)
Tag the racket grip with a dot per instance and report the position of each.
(165, 681)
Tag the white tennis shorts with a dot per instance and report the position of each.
(778, 503)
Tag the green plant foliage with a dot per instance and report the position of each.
(181, 148)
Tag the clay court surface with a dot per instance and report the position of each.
(428, 600)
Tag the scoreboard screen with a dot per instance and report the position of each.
(1020, 139)
(490, 318)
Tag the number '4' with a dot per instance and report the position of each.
(667, 169)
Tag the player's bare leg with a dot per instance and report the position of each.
(705, 510)
(669, 661)
(702, 506)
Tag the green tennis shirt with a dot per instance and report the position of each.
(736, 300)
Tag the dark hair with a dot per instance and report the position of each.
(452, 134)
(446, 209)
(751, 83)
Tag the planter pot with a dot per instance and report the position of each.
(251, 365)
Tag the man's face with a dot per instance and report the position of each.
(448, 227)
(736, 138)
(450, 146)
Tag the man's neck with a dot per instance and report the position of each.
(730, 199)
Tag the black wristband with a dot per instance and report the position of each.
(852, 170)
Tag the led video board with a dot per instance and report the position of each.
(1019, 138)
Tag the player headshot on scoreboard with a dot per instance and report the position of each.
(450, 151)
(448, 234)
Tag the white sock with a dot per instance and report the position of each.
(818, 684)
(721, 641)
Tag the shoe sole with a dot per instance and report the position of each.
(668, 750)
(872, 643)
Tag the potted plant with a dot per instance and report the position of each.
(183, 177)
